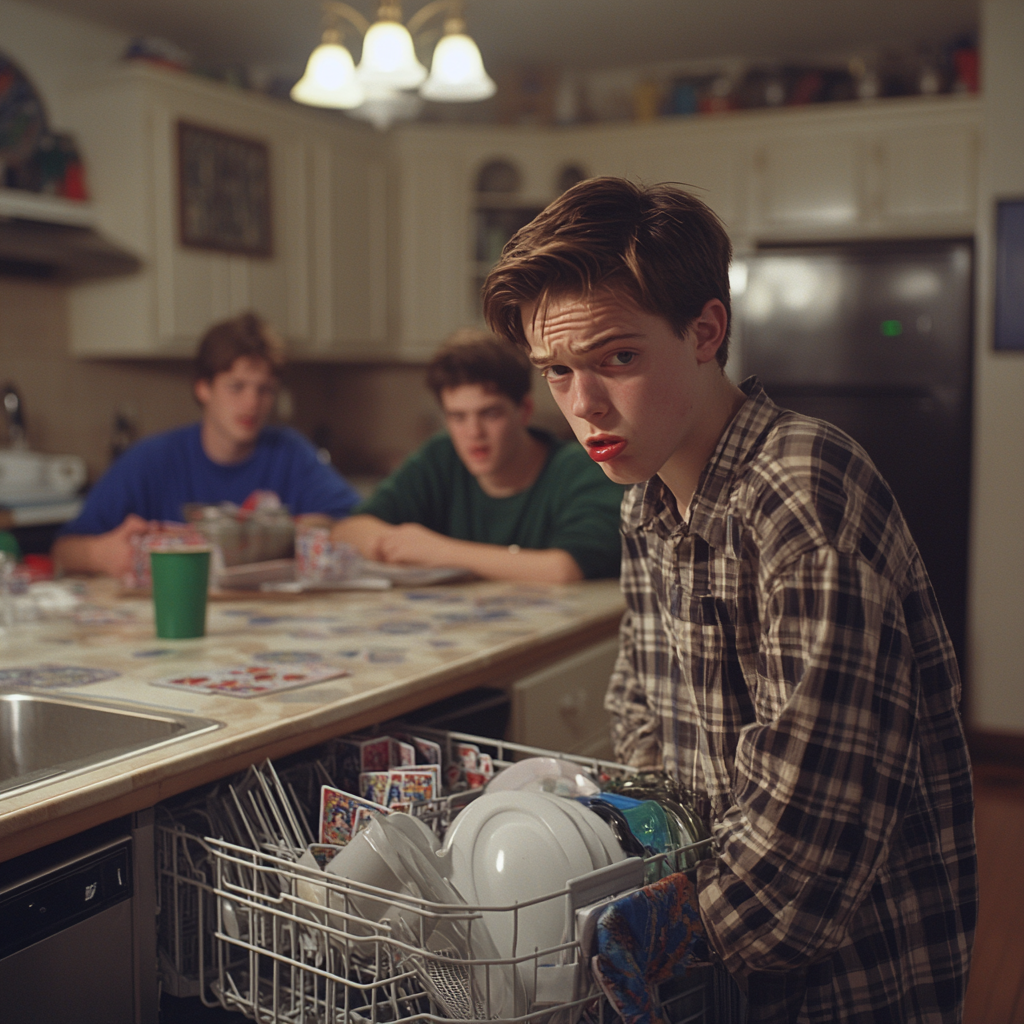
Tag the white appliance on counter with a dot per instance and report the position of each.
(38, 489)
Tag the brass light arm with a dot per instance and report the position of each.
(425, 13)
(343, 10)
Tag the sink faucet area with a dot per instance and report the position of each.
(42, 736)
(35, 488)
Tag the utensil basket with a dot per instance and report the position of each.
(280, 942)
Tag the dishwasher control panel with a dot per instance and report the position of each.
(73, 892)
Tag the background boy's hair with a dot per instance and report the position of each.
(246, 335)
(470, 356)
(659, 245)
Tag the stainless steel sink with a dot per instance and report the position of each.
(43, 736)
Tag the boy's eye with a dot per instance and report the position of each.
(553, 372)
(622, 358)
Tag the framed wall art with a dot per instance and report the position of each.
(223, 191)
(1009, 325)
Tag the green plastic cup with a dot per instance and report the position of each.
(180, 580)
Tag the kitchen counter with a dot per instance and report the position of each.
(401, 649)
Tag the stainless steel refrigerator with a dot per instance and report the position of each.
(876, 338)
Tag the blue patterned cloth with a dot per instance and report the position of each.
(644, 939)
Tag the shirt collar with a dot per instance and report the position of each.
(707, 512)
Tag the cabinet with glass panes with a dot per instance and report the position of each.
(501, 211)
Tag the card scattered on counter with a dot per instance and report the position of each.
(252, 680)
(342, 814)
(51, 677)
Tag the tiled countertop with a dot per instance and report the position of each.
(401, 649)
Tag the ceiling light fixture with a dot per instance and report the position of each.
(377, 90)
(330, 78)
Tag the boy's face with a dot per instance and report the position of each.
(238, 402)
(628, 384)
(487, 428)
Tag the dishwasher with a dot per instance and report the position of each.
(77, 935)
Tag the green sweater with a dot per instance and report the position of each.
(571, 505)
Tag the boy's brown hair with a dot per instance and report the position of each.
(246, 335)
(470, 356)
(658, 245)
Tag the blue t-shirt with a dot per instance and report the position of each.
(160, 474)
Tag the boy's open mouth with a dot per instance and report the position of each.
(605, 447)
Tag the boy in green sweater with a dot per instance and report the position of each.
(491, 494)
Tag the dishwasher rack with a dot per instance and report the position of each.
(253, 931)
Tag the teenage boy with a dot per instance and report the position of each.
(227, 455)
(492, 495)
(782, 653)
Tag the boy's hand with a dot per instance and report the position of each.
(113, 553)
(412, 544)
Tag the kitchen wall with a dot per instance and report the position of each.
(996, 627)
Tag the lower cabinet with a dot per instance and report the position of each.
(561, 707)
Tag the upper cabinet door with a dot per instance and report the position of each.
(321, 283)
(888, 169)
(808, 179)
(928, 173)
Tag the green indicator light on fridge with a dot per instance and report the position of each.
(892, 328)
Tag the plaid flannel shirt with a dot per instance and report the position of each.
(782, 652)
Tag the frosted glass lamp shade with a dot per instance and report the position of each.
(389, 57)
(330, 79)
(383, 107)
(457, 72)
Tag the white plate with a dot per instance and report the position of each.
(545, 775)
(507, 848)
(590, 823)
(408, 852)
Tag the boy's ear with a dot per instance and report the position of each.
(709, 329)
(527, 406)
(201, 389)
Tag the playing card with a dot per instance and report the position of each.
(414, 785)
(357, 754)
(427, 751)
(323, 853)
(467, 755)
(254, 680)
(339, 814)
(373, 786)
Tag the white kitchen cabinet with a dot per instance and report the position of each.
(561, 707)
(880, 170)
(322, 285)
(433, 268)
(893, 168)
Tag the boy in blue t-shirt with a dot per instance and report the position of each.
(227, 455)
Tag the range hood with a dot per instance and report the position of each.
(52, 239)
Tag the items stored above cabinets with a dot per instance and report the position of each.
(234, 202)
